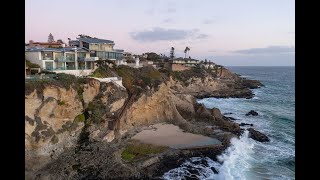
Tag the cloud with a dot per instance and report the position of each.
(202, 36)
(171, 10)
(168, 20)
(268, 50)
(159, 34)
(211, 50)
(208, 21)
(150, 11)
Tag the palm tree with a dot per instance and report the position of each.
(172, 53)
(185, 51)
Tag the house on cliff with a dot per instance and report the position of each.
(45, 44)
(181, 64)
(77, 60)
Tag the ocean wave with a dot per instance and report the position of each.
(245, 159)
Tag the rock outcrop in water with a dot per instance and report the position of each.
(78, 129)
(258, 136)
(252, 112)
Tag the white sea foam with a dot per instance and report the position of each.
(233, 163)
(246, 158)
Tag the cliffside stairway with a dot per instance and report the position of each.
(115, 124)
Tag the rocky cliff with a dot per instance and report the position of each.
(70, 125)
(203, 83)
(55, 117)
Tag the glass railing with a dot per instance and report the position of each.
(71, 68)
(81, 58)
(47, 58)
(60, 59)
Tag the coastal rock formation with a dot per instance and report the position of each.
(54, 118)
(252, 112)
(258, 136)
(204, 84)
(78, 131)
(245, 124)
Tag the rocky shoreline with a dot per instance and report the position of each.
(79, 136)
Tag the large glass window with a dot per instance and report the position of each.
(49, 65)
(47, 55)
(101, 55)
(81, 56)
(61, 66)
(70, 66)
(93, 54)
(118, 55)
(112, 55)
(70, 57)
(81, 65)
(58, 56)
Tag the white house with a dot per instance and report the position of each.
(67, 60)
(78, 60)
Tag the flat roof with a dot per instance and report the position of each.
(95, 40)
(65, 49)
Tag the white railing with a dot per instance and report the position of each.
(91, 59)
(84, 72)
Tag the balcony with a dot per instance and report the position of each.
(47, 58)
(81, 58)
(63, 59)
(91, 59)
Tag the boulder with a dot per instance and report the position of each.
(227, 113)
(231, 118)
(252, 112)
(203, 112)
(258, 136)
(216, 113)
(245, 124)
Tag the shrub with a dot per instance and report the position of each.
(80, 118)
(61, 103)
(31, 65)
(54, 139)
(102, 72)
(137, 150)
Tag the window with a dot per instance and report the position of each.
(70, 57)
(47, 55)
(49, 65)
(58, 56)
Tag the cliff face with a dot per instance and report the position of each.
(206, 84)
(55, 118)
(58, 119)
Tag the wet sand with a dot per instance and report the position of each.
(172, 136)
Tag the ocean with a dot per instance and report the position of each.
(247, 159)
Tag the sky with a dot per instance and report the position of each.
(228, 32)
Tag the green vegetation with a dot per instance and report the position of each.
(97, 109)
(134, 79)
(137, 150)
(62, 80)
(61, 103)
(153, 57)
(102, 72)
(80, 118)
(187, 74)
(31, 65)
(54, 139)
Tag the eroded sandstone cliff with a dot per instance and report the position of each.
(65, 123)
(55, 117)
